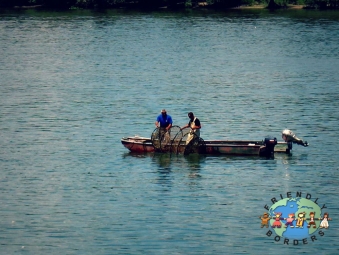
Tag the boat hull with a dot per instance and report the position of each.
(144, 145)
(233, 149)
(138, 144)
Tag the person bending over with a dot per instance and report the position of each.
(194, 124)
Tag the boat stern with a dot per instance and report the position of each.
(267, 150)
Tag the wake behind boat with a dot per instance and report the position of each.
(175, 141)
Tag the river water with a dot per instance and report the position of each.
(72, 84)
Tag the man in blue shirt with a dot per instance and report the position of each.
(164, 120)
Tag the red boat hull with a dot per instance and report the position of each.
(144, 145)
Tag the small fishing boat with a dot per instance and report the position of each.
(175, 141)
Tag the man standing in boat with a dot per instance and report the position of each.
(195, 126)
(164, 121)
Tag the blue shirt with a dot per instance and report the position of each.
(164, 120)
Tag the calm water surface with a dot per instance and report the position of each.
(72, 84)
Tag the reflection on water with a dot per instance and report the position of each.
(137, 155)
(163, 161)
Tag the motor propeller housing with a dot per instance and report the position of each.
(288, 136)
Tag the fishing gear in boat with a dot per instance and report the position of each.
(162, 138)
(195, 145)
(188, 142)
(175, 145)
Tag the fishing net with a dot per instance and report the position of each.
(156, 138)
(178, 142)
(162, 139)
(186, 142)
(195, 145)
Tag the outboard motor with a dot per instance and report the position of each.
(289, 137)
(268, 150)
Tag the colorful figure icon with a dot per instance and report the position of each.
(264, 220)
(289, 220)
(324, 222)
(311, 220)
(277, 218)
(300, 220)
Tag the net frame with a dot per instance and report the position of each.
(195, 145)
(156, 139)
(177, 141)
(162, 139)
